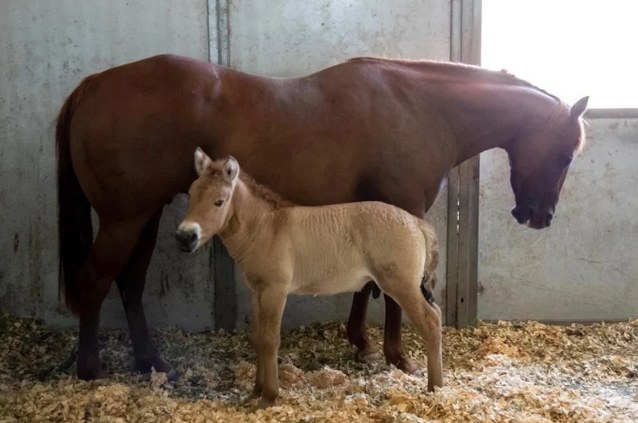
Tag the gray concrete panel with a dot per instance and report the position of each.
(292, 38)
(46, 49)
(584, 266)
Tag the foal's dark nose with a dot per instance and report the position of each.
(187, 240)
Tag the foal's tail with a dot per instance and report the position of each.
(431, 254)
(75, 231)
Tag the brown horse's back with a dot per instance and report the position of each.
(336, 136)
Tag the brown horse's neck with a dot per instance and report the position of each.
(487, 116)
(250, 217)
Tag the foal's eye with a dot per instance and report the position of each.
(219, 203)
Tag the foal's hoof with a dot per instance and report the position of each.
(368, 356)
(265, 403)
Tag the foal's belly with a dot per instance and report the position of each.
(328, 283)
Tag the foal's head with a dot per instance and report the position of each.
(539, 165)
(210, 201)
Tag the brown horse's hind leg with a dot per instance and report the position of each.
(357, 329)
(392, 346)
(130, 282)
(110, 252)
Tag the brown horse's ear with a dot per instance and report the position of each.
(231, 169)
(201, 161)
(579, 108)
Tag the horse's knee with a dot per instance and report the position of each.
(434, 316)
(91, 289)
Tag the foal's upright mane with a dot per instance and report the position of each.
(275, 200)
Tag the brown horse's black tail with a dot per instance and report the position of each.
(75, 230)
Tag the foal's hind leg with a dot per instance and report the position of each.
(426, 319)
(110, 251)
(130, 282)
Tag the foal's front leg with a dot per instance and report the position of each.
(270, 308)
(254, 337)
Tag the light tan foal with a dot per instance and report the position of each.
(282, 249)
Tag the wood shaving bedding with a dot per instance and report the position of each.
(503, 372)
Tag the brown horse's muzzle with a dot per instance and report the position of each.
(533, 216)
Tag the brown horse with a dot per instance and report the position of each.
(325, 250)
(367, 129)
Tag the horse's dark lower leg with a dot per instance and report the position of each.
(392, 347)
(89, 365)
(110, 251)
(131, 283)
(357, 329)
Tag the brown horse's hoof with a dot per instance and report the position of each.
(145, 366)
(89, 368)
(406, 365)
(368, 356)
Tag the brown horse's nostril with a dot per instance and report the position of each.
(548, 219)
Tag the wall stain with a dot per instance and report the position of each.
(16, 242)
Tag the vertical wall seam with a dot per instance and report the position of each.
(462, 263)
(222, 9)
(221, 265)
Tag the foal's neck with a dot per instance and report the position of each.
(247, 223)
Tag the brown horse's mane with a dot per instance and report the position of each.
(503, 76)
(263, 192)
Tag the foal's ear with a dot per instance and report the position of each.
(201, 161)
(231, 169)
(579, 108)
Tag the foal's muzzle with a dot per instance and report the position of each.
(188, 235)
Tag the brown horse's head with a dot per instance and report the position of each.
(210, 201)
(539, 161)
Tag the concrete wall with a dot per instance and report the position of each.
(47, 47)
(584, 266)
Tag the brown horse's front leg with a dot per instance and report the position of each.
(357, 329)
(392, 347)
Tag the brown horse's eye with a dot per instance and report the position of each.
(219, 203)
(565, 160)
